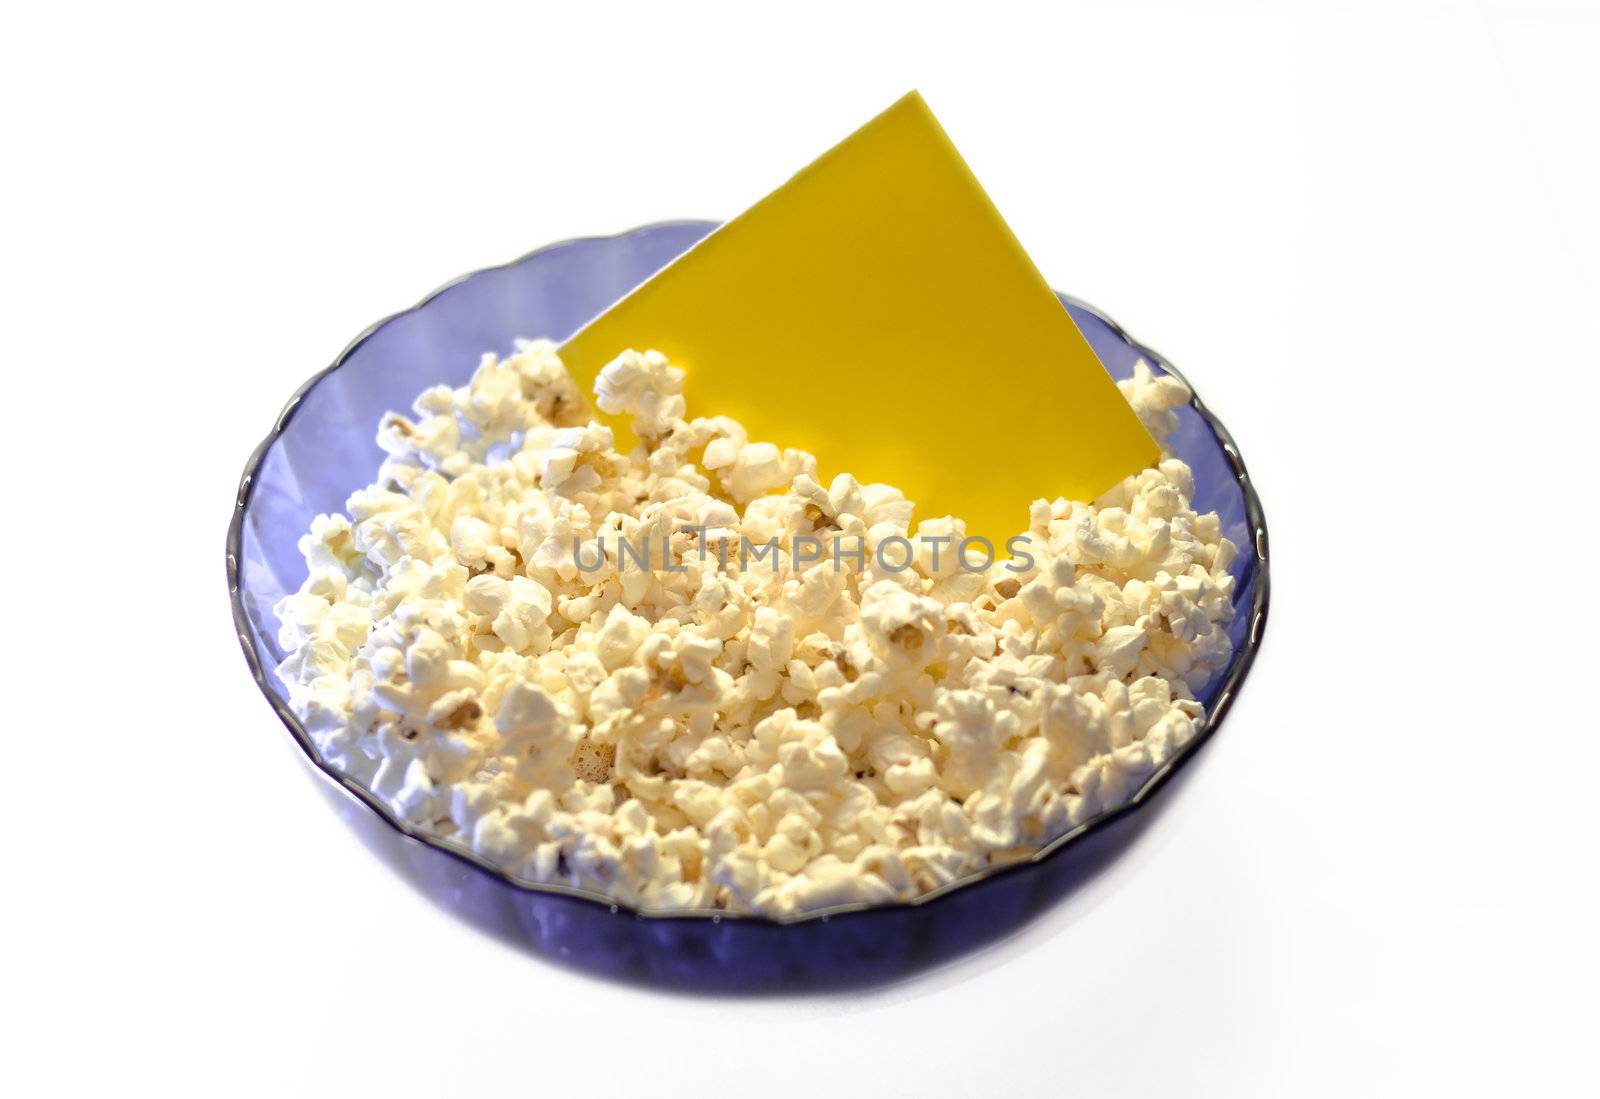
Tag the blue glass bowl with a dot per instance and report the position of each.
(322, 447)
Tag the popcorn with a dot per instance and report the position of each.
(693, 676)
(645, 387)
(1153, 398)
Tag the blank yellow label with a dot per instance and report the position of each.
(876, 311)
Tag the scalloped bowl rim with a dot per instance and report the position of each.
(1233, 676)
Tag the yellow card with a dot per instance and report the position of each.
(876, 311)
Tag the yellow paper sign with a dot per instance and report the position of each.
(876, 311)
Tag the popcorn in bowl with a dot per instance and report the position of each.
(694, 677)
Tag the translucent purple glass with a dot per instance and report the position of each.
(322, 448)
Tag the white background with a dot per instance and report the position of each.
(1369, 232)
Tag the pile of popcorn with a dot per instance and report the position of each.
(474, 645)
